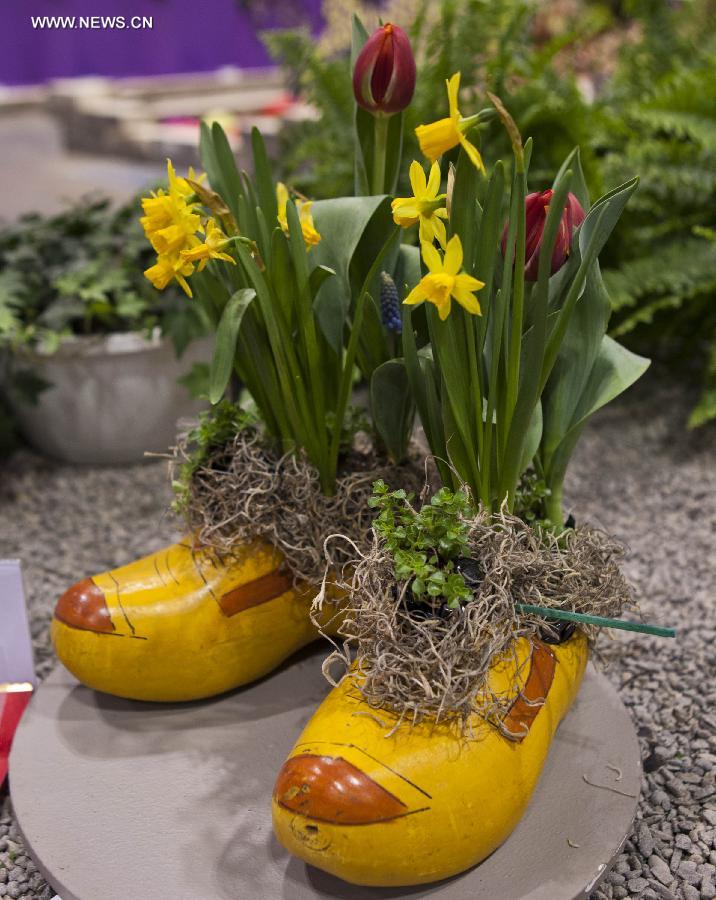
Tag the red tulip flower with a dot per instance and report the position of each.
(384, 74)
(536, 206)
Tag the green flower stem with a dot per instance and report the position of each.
(500, 339)
(513, 371)
(480, 466)
(553, 505)
(380, 152)
(328, 481)
(566, 615)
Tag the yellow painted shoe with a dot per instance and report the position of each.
(179, 625)
(424, 803)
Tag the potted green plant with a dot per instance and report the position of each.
(467, 625)
(92, 354)
(422, 759)
(293, 293)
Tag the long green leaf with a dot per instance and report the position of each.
(265, 188)
(362, 119)
(614, 370)
(307, 344)
(227, 333)
(352, 349)
(593, 234)
(574, 362)
(579, 183)
(293, 398)
(392, 407)
(342, 223)
(530, 386)
(462, 208)
(230, 180)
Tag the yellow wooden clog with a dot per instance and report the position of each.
(180, 625)
(424, 803)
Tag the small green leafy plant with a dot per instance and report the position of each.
(426, 543)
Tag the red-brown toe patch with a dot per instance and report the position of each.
(84, 606)
(329, 789)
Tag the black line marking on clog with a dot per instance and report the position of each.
(375, 759)
(119, 601)
(159, 574)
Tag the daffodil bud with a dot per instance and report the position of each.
(384, 74)
(450, 189)
(536, 207)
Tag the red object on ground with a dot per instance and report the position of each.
(279, 106)
(12, 706)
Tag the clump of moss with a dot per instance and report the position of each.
(216, 428)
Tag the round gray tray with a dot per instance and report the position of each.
(119, 799)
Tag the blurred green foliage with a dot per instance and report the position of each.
(80, 272)
(652, 114)
(77, 272)
(660, 122)
(488, 42)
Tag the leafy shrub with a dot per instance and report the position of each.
(80, 272)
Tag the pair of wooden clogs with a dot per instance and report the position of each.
(419, 805)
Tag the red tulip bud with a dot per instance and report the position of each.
(536, 206)
(384, 74)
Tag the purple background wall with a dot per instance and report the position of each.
(188, 36)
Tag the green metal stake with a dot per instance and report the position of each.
(568, 616)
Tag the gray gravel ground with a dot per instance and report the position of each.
(637, 473)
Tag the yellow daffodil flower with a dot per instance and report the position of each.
(441, 136)
(172, 223)
(210, 248)
(169, 220)
(176, 238)
(178, 185)
(166, 211)
(445, 281)
(310, 236)
(166, 269)
(425, 206)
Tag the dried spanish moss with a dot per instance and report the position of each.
(436, 665)
(244, 491)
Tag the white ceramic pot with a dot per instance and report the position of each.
(112, 397)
